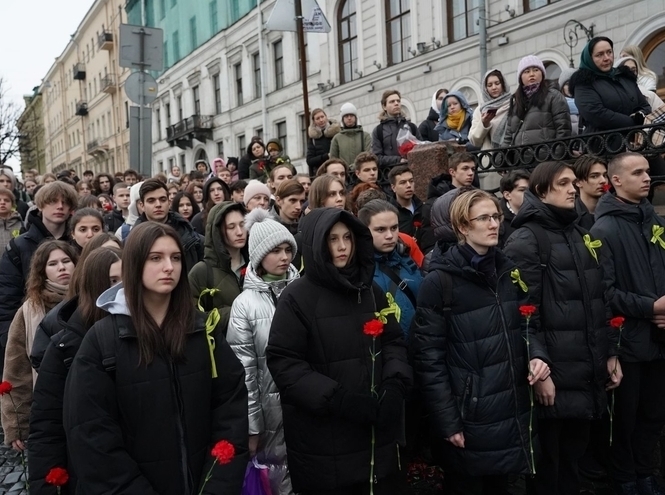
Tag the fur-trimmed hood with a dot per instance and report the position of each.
(331, 129)
(588, 77)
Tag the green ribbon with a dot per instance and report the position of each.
(517, 279)
(593, 245)
(392, 309)
(210, 325)
(657, 232)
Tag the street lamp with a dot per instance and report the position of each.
(571, 37)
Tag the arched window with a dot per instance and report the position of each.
(470, 95)
(348, 41)
(201, 155)
(654, 53)
(552, 73)
(398, 30)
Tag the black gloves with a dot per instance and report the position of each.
(638, 118)
(360, 408)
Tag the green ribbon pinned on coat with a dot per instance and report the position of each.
(517, 279)
(657, 232)
(211, 323)
(592, 245)
(392, 309)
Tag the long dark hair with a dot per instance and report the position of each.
(36, 282)
(93, 280)
(175, 204)
(94, 243)
(180, 314)
(520, 104)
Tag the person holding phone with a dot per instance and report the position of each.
(488, 125)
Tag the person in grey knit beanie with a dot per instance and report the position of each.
(265, 234)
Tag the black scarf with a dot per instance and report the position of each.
(565, 216)
(484, 264)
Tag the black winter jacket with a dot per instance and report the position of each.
(572, 316)
(426, 127)
(47, 328)
(318, 145)
(150, 430)
(584, 217)
(471, 366)
(13, 277)
(634, 272)
(410, 223)
(606, 103)
(317, 350)
(47, 445)
(384, 139)
(113, 220)
(437, 187)
(243, 166)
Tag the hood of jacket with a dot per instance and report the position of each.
(434, 107)
(534, 210)
(14, 219)
(254, 282)
(275, 141)
(215, 251)
(610, 205)
(34, 220)
(133, 208)
(351, 130)
(384, 117)
(452, 261)
(443, 115)
(439, 185)
(440, 217)
(433, 115)
(216, 180)
(315, 132)
(316, 254)
(113, 301)
(586, 77)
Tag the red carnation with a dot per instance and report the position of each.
(5, 388)
(606, 187)
(404, 149)
(57, 476)
(223, 451)
(527, 310)
(617, 321)
(417, 224)
(373, 328)
(243, 271)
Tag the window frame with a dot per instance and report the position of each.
(282, 138)
(527, 8)
(196, 98)
(256, 68)
(404, 17)
(237, 76)
(217, 92)
(278, 63)
(341, 42)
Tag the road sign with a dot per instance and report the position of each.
(283, 17)
(141, 47)
(141, 88)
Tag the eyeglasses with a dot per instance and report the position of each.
(497, 217)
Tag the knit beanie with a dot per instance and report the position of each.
(348, 109)
(253, 188)
(9, 173)
(265, 234)
(529, 61)
(565, 76)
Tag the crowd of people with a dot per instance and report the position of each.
(333, 329)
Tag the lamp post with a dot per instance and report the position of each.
(571, 37)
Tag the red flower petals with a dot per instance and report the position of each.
(223, 452)
(57, 476)
(373, 328)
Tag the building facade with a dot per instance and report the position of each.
(30, 126)
(85, 110)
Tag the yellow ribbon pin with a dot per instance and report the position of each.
(517, 279)
(392, 309)
(593, 245)
(657, 232)
(16, 233)
(211, 323)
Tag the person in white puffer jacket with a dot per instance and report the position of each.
(271, 250)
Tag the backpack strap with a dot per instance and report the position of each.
(399, 283)
(447, 290)
(14, 255)
(543, 241)
(107, 343)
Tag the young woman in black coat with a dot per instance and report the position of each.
(470, 357)
(572, 331)
(148, 396)
(320, 360)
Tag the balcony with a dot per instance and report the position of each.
(96, 147)
(183, 133)
(79, 71)
(82, 108)
(105, 40)
(108, 84)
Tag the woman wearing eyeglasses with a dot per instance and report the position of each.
(558, 261)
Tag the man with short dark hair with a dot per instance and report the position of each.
(130, 177)
(154, 199)
(462, 169)
(114, 219)
(408, 205)
(632, 256)
(512, 187)
(238, 190)
(591, 174)
(366, 168)
(384, 135)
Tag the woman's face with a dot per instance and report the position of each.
(562, 193)
(340, 244)
(336, 197)
(162, 268)
(172, 192)
(59, 267)
(48, 180)
(84, 189)
(532, 75)
(439, 100)
(258, 201)
(277, 261)
(603, 56)
(216, 193)
(320, 120)
(234, 233)
(86, 229)
(115, 273)
(175, 171)
(258, 150)
(185, 207)
(453, 105)
(631, 65)
(106, 204)
(184, 183)
(30, 186)
(198, 194)
(494, 86)
(483, 229)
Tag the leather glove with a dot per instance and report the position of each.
(359, 408)
(638, 118)
(391, 407)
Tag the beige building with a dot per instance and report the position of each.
(31, 133)
(85, 111)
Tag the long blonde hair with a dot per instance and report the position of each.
(642, 68)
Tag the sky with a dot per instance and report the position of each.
(33, 34)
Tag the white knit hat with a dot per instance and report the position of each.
(265, 234)
(253, 188)
(348, 109)
(530, 61)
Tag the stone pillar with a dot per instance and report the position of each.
(429, 160)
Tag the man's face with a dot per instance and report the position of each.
(305, 182)
(403, 187)
(121, 198)
(463, 175)
(225, 175)
(201, 167)
(5, 205)
(155, 205)
(88, 177)
(367, 172)
(104, 184)
(56, 213)
(238, 195)
(632, 180)
(393, 105)
(130, 179)
(516, 197)
(594, 185)
(6, 182)
(349, 120)
(29, 176)
(280, 175)
(290, 207)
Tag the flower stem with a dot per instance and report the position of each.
(208, 476)
(371, 464)
(528, 359)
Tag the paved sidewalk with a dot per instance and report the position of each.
(12, 480)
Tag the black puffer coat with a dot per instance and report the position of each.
(150, 430)
(113, 220)
(471, 367)
(551, 120)
(572, 313)
(318, 145)
(634, 272)
(384, 139)
(426, 127)
(317, 347)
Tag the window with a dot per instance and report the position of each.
(242, 147)
(167, 107)
(303, 133)
(126, 114)
(259, 132)
(214, 25)
(218, 94)
(462, 18)
(171, 163)
(536, 4)
(348, 41)
(182, 162)
(278, 55)
(398, 30)
(237, 71)
(281, 134)
(158, 117)
(256, 64)
(178, 100)
(220, 148)
(176, 47)
(552, 73)
(197, 100)
(192, 33)
(654, 53)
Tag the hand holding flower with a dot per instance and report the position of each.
(539, 371)
(616, 375)
(457, 440)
